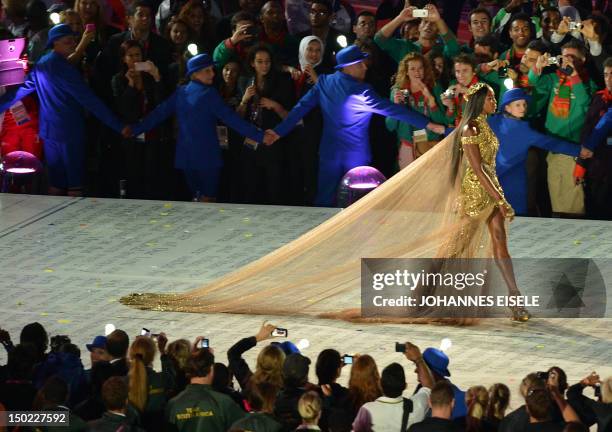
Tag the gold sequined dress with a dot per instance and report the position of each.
(474, 198)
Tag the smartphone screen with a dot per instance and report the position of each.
(203, 343)
(280, 332)
(347, 359)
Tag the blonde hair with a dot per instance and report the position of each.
(141, 354)
(402, 80)
(269, 367)
(606, 390)
(309, 407)
(100, 22)
(179, 350)
(477, 399)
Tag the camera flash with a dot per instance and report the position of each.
(193, 49)
(508, 83)
(303, 344)
(342, 41)
(55, 18)
(445, 344)
(108, 329)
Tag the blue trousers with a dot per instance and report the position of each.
(332, 168)
(203, 182)
(65, 163)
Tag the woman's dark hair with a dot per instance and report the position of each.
(127, 45)
(21, 361)
(328, 363)
(251, 58)
(176, 20)
(473, 108)
(35, 334)
(221, 377)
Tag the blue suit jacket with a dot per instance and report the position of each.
(601, 131)
(347, 106)
(198, 106)
(515, 137)
(63, 96)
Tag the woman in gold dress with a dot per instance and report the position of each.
(426, 210)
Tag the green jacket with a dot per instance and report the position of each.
(398, 48)
(199, 408)
(259, 422)
(560, 122)
(503, 17)
(404, 130)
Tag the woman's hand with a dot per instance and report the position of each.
(87, 37)
(507, 212)
(265, 332)
(153, 71)
(249, 93)
(398, 97)
(563, 26)
(591, 380)
(131, 75)
(312, 75)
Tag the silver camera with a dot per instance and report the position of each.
(554, 60)
(575, 26)
(449, 93)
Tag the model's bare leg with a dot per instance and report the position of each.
(497, 230)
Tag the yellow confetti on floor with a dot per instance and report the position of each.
(248, 235)
(153, 221)
(577, 242)
(49, 270)
(44, 314)
(167, 205)
(64, 321)
(168, 226)
(164, 214)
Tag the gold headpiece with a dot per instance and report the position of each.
(473, 89)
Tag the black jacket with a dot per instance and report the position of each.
(111, 422)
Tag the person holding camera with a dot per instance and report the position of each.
(137, 90)
(570, 91)
(391, 410)
(434, 34)
(269, 366)
(464, 67)
(199, 407)
(415, 87)
(593, 411)
(236, 47)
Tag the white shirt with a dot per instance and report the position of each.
(385, 413)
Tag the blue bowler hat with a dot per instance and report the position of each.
(98, 342)
(349, 56)
(198, 62)
(513, 95)
(437, 361)
(58, 32)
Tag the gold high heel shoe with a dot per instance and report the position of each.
(519, 314)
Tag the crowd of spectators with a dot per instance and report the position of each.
(132, 55)
(195, 392)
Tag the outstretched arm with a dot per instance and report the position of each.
(374, 103)
(158, 115)
(72, 83)
(233, 120)
(18, 93)
(303, 107)
(601, 131)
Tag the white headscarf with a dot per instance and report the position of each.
(302, 51)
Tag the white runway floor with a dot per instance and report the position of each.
(66, 262)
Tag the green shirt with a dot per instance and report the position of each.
(199, 408)
(398, 48)
(563, 121)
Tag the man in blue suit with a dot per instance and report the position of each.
(198, 106)
(63, 97)
(347, 104)
(515, 137)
